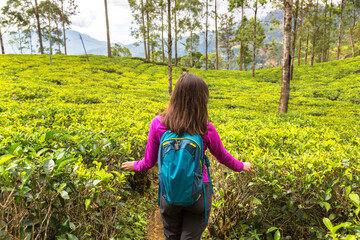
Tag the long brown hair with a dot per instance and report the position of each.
(187, 110)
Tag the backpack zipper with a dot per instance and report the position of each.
(163, 142)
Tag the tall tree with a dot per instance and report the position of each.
(300, 29)
(175, 9)
(323, 47)
(206, 33)
(240, 31)
(242, 42)
(354, 6)
(36, 12)
(16, 17)
(107, 29)
(66, 12)
(285, 82)
(226, 34)
(138, 12)
(216, 39)
(256, 5)
(50, 12)
(315, 32)
(294, 39)
(330, 25)
(2, 43)
(169, 49)
(147, 12)
(340, 29)
(191, 22)
(162, 9)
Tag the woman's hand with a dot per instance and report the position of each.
(127, 166)
(247, 166)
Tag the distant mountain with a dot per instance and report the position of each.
(97, 47)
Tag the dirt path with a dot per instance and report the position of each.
(155, 226)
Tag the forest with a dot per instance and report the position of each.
(288, 104)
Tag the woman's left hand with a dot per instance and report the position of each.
(127, 166)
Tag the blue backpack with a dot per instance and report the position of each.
(181, 163)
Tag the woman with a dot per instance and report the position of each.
(187, 112)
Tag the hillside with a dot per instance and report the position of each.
(67, 127)
(97, 47)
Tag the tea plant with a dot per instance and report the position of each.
(67, 127)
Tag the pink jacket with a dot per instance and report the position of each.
(211, 140)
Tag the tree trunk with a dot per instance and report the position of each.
(31, 49)
(314, 34)
(148, 29)
(152, 51)
(38, 27)
(2, 43)
(329, 33)
(216, 41)
(191, 49)
(58, 35)
(300, 27)
(20, 43)
(294, 41)
(307, 46)
(169, 49)
(143, 28)
(206, 35)
(285, 61)
(254, 39)
(323, 48)
(340, 25)
(162, 34)
(107, 29)
(175, 22)
(241, 42)
(50, 44)
(352, 34)
(63, 26)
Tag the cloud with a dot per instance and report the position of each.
(91, 20)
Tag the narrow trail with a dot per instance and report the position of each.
(155, 226)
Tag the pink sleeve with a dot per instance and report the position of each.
(152, 149)
(217, 149)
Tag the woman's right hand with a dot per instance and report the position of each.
(247, 166)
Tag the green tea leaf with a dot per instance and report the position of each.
(5, 158)
(64, 194)
(48, 166)
(26, 177)
(328, 224)
(350, 237)
(355, 199)
(327, 206)
(87, 203)
(72, 237)
(277, 235)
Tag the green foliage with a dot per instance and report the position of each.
(66, 129)
(119, 51)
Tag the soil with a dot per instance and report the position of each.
(155, 226)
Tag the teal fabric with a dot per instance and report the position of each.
(181, 161)
(180, 175)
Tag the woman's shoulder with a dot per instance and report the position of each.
(157, 123)
(210, 126)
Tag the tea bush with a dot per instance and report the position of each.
(67, 127)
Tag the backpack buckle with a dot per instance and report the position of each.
(177, 144)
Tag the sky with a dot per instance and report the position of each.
(91, 20)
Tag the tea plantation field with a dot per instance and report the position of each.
(66, 128)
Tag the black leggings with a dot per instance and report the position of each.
(185, 223)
